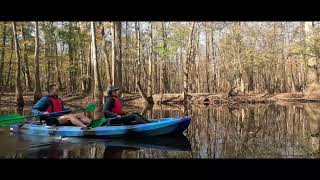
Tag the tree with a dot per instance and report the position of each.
(37, 93)
(25, 60)
(207, 59)
(2, 54)
(149, 92)
(71, 58)
(19, 93)
(137, 27)
(187, 64)
(57, 68)
(6, 83)
(98, 94)
(313, 86)
(116, 55)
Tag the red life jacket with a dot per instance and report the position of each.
(117, 109)
(55, 105)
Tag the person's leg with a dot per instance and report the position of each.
(139, 118)
(132, 119)
(70, 118)
(116, 121)
(84, 119)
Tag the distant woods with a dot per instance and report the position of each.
(159, 57)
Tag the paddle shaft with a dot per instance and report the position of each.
(48, 115)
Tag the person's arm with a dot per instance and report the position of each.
(40, 106)
(107, 107)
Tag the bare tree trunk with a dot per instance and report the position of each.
(19, 93)
(109, 68)
(98, 94)
(4, 36)
(162, 64)
(207, 60)
(57, 64)
(213, 54)
(71, 69)
(313, 78)
(155, 74)
(187, 64)
(126, 60)
(47, 58)
(25, 61)
(82, 59)
(137, 27)
(37, 93)
(6, 83)
(71, 64)
(116, 55)
(83, 81)
(250, 77)
(89, 70)
(150, 63)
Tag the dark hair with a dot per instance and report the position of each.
(51, 87)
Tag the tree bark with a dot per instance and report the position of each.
(116, 55)
(6, 84)
(137, 27)
(57, 69)
(4, 37)
(150, 63)
(82, 59)
(187, 65)
(25, 61)
(126, 60)
(89, 70)
(313, 86)
(163, 86)
(71, 64)
(207, 60)
(37, 93)
(19, 93)
(98, 94)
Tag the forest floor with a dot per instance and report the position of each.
(175, 100)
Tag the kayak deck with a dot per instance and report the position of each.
(157, 127)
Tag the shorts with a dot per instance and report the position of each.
(52, 121)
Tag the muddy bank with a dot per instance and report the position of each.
(175, 100)
(223, 98)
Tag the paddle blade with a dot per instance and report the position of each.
(91, 107)
(10, 117)
(97, 122)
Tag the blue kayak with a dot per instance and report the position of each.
(157, 127)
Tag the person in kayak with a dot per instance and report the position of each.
(112, 108)
(52, 103)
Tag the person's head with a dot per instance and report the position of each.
(113, 91)
(53, 90)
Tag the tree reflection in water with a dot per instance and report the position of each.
(251, 131)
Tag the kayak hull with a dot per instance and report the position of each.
(155, 128)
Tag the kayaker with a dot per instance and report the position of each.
(52, 103)
(112, 108)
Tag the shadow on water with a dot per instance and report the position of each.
(261, 131)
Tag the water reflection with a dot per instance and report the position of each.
(58, 148)
(264, 131)
(258, 132)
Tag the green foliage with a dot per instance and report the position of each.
(70, 34)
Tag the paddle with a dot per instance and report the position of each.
(11, 119)
(99, 122)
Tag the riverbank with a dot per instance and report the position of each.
(196, 99)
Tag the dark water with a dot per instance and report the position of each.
(264, 131)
